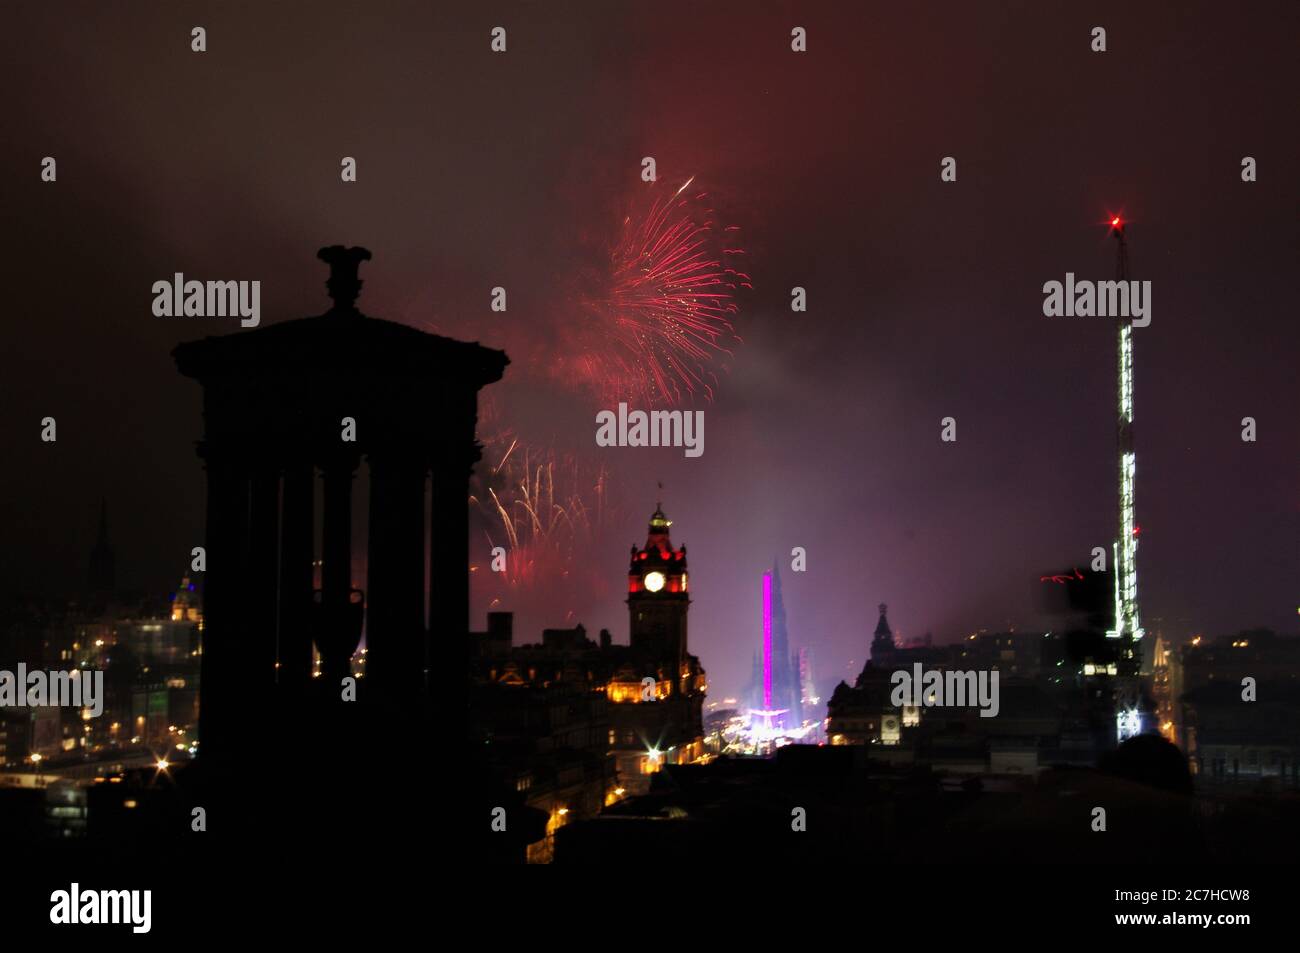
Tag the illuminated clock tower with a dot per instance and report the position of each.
(656, 690)
(657, 598)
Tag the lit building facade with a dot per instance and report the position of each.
(657, 693)
(572, 725)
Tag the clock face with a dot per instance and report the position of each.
(654, 581)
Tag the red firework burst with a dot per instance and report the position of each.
(662, 326)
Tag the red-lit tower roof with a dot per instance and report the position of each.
(658, 556)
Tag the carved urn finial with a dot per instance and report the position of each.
(343, 284)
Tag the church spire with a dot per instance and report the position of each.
(882, 645)
(882, 627)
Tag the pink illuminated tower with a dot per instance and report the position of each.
(767, 641)
(775, 692)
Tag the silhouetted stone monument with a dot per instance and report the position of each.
(275, 401)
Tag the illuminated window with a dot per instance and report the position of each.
(633, 692)
(623, 692)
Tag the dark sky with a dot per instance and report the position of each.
(925, 301)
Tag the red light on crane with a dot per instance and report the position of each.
(1114, 222)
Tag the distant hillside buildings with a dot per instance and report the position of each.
(1056, 706)
(149, 650)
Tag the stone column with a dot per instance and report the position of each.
(449, 566)
(225, 610)
(336, 627)
(395, 632)
(297, 547)
(257, 641)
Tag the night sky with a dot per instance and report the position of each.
(479, 169)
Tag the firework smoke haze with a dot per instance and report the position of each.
(517, 171)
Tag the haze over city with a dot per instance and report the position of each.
(924, 297)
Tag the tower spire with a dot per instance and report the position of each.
(1127, 624)
(882, 640)
(780, 678)
(1128, 627)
